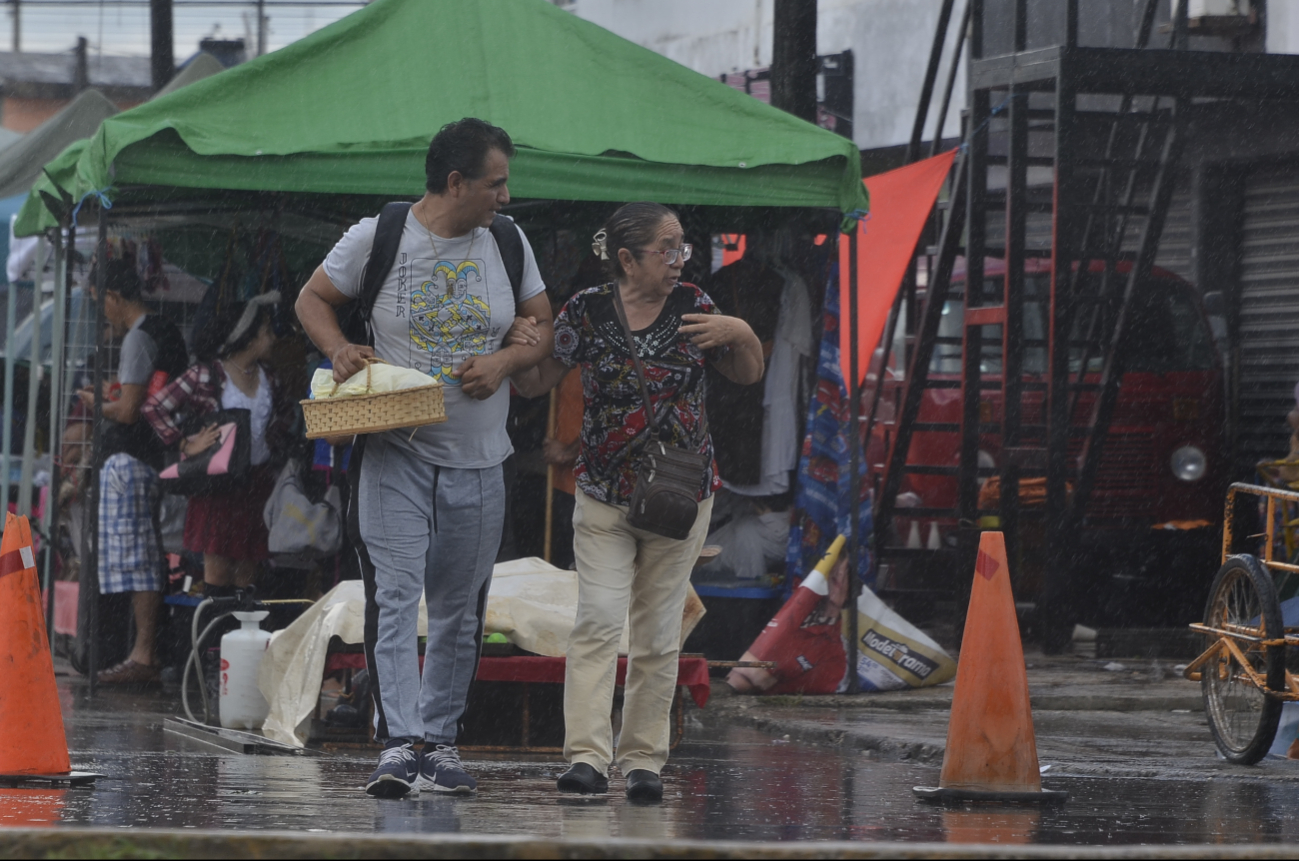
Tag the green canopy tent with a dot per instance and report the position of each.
(350, 110)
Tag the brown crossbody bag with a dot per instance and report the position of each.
(665, 500)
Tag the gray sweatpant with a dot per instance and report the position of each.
(435, 529)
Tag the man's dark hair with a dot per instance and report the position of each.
(121, 278)
(462, 147)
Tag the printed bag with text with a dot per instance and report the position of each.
(892, 653)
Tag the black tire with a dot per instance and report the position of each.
(1243, 718)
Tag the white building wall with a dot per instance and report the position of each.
(890, 41)
(1283, 27)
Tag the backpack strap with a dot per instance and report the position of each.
(510, 244)
(383, 253)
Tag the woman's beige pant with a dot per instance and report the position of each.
(619, 567)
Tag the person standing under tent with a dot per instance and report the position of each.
(677, 329)
(428, 508)
(227, 526)
(130, 545)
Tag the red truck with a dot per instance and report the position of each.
(1165, 460)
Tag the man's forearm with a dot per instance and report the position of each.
(112, 411)
(320, 322)
(122, 412)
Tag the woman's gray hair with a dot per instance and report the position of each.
(632, 227)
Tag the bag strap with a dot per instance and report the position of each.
(383, 253)
(650, 421)
(510, 244)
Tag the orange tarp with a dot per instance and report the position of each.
(901, 200)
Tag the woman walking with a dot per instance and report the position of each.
(675, 329)
(227, 527)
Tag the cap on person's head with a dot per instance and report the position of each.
(462, 147)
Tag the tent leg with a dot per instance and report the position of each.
(49, 516)
(7, 438)
(854, 458)
(33, 386)
(91, 563)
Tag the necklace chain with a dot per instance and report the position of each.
(473, 237)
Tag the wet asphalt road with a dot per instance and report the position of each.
(724, 783)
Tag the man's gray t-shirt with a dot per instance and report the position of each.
(136, 357)
(444, 301)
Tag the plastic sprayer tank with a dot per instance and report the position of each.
(242, 703)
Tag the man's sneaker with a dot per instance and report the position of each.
(583, 778)
(440, 770)
(397, 774)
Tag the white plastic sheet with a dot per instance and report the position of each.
(531, 602)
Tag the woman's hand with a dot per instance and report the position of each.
(709, 331)
(524, 333)
(200, 442)
(744, 363)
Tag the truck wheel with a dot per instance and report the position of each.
(1244, 718)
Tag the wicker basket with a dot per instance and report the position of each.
(405, 408)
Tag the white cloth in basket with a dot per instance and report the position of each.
(382, 378)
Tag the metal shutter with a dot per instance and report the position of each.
(1269, 312)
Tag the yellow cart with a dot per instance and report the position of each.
(1242, 672)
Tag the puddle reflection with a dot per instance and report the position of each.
(1012, 827)
(30, 808)
(723, 783)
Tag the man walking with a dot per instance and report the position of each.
(130, 546)
(429, 507)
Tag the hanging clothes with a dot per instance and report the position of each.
(823, 499)
(791, 345)
(749, 288)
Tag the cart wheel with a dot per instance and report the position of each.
(1242, 717)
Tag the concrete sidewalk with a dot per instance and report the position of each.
(1136, 719)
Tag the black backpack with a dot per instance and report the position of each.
(354, 317)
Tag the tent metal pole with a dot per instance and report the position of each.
(7, 437)
(854, 458)
(91, 522)
(63, 355)
(49, 516)
(33, 384)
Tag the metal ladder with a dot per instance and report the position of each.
(1111, 156)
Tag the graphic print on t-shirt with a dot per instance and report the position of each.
(450, 315)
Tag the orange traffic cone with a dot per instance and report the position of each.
(991, 751)
(32, 744)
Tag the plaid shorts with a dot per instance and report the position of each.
(130, 553)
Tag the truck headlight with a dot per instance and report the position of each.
(1189, 463)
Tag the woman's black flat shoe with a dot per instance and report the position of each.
(644, 785)
(583, 778)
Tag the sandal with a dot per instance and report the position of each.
(130, 673)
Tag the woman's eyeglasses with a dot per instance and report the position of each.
(671, 255)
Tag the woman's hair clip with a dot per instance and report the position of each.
(601, 244)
